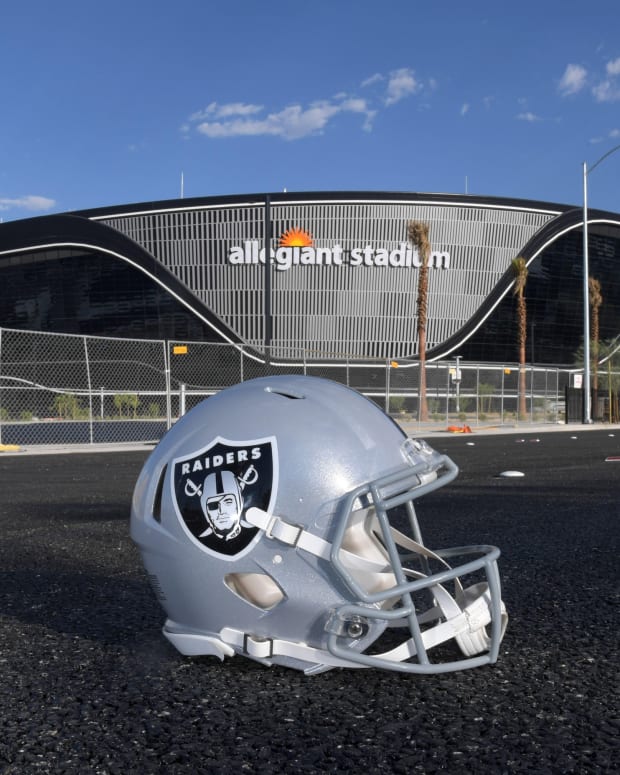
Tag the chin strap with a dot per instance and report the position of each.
(466, 626)
(466, 615)
(265, 649)
(293, 535)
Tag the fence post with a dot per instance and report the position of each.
(477, 394)
(182, 388)
(447, 394)
(501, 403)
(90, 391)
(166, 347)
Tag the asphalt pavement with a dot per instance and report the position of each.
(89, 684)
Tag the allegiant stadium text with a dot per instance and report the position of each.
(403, 257)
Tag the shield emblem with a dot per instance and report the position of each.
(215, 486)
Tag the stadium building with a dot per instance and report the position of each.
(341, 280)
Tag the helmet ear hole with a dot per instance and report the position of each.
(258, 589)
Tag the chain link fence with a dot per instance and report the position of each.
(66, 389)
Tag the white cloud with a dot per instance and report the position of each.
(613, 67)
(356, 105)
(376, 78)
(573, 80)
(607, 91)
(528, 116)
(606, 87)
(613, 134)
(225, 111)
(291, 123)
(236, 109)
(31, 203)
(465, 108)
(401, 84)
(241, 119)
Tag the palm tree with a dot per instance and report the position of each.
(596, 300)
(418, 234)
(519, 270)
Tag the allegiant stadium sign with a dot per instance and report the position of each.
(296, 248)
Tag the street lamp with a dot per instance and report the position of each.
(586, 293)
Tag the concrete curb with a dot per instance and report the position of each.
(411, 428)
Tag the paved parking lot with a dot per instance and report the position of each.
(89, 685)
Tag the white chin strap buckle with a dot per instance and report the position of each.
(475, 638)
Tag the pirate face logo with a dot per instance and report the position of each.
(215, 486)
(222, 503)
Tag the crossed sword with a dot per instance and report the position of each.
(249, 477)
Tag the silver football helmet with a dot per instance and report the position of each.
(276, 521)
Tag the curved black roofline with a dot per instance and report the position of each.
(552, 230)
(82, 227)
(278, 197)
(74, 230)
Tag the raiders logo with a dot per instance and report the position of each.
(214, 487)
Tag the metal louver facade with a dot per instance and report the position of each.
(351, 308)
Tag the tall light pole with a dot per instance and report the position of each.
(586, 291)
(267, 281)
(457, 379)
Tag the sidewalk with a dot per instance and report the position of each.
(412, 428)
(66, 449)
(433, 429)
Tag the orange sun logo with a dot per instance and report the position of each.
(295, 238)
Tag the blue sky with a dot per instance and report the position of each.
(108, 103)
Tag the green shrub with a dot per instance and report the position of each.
(485, 391)
(397, 404)
(434, 405)
(66, 406)
(126, 403)
(465, 404)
